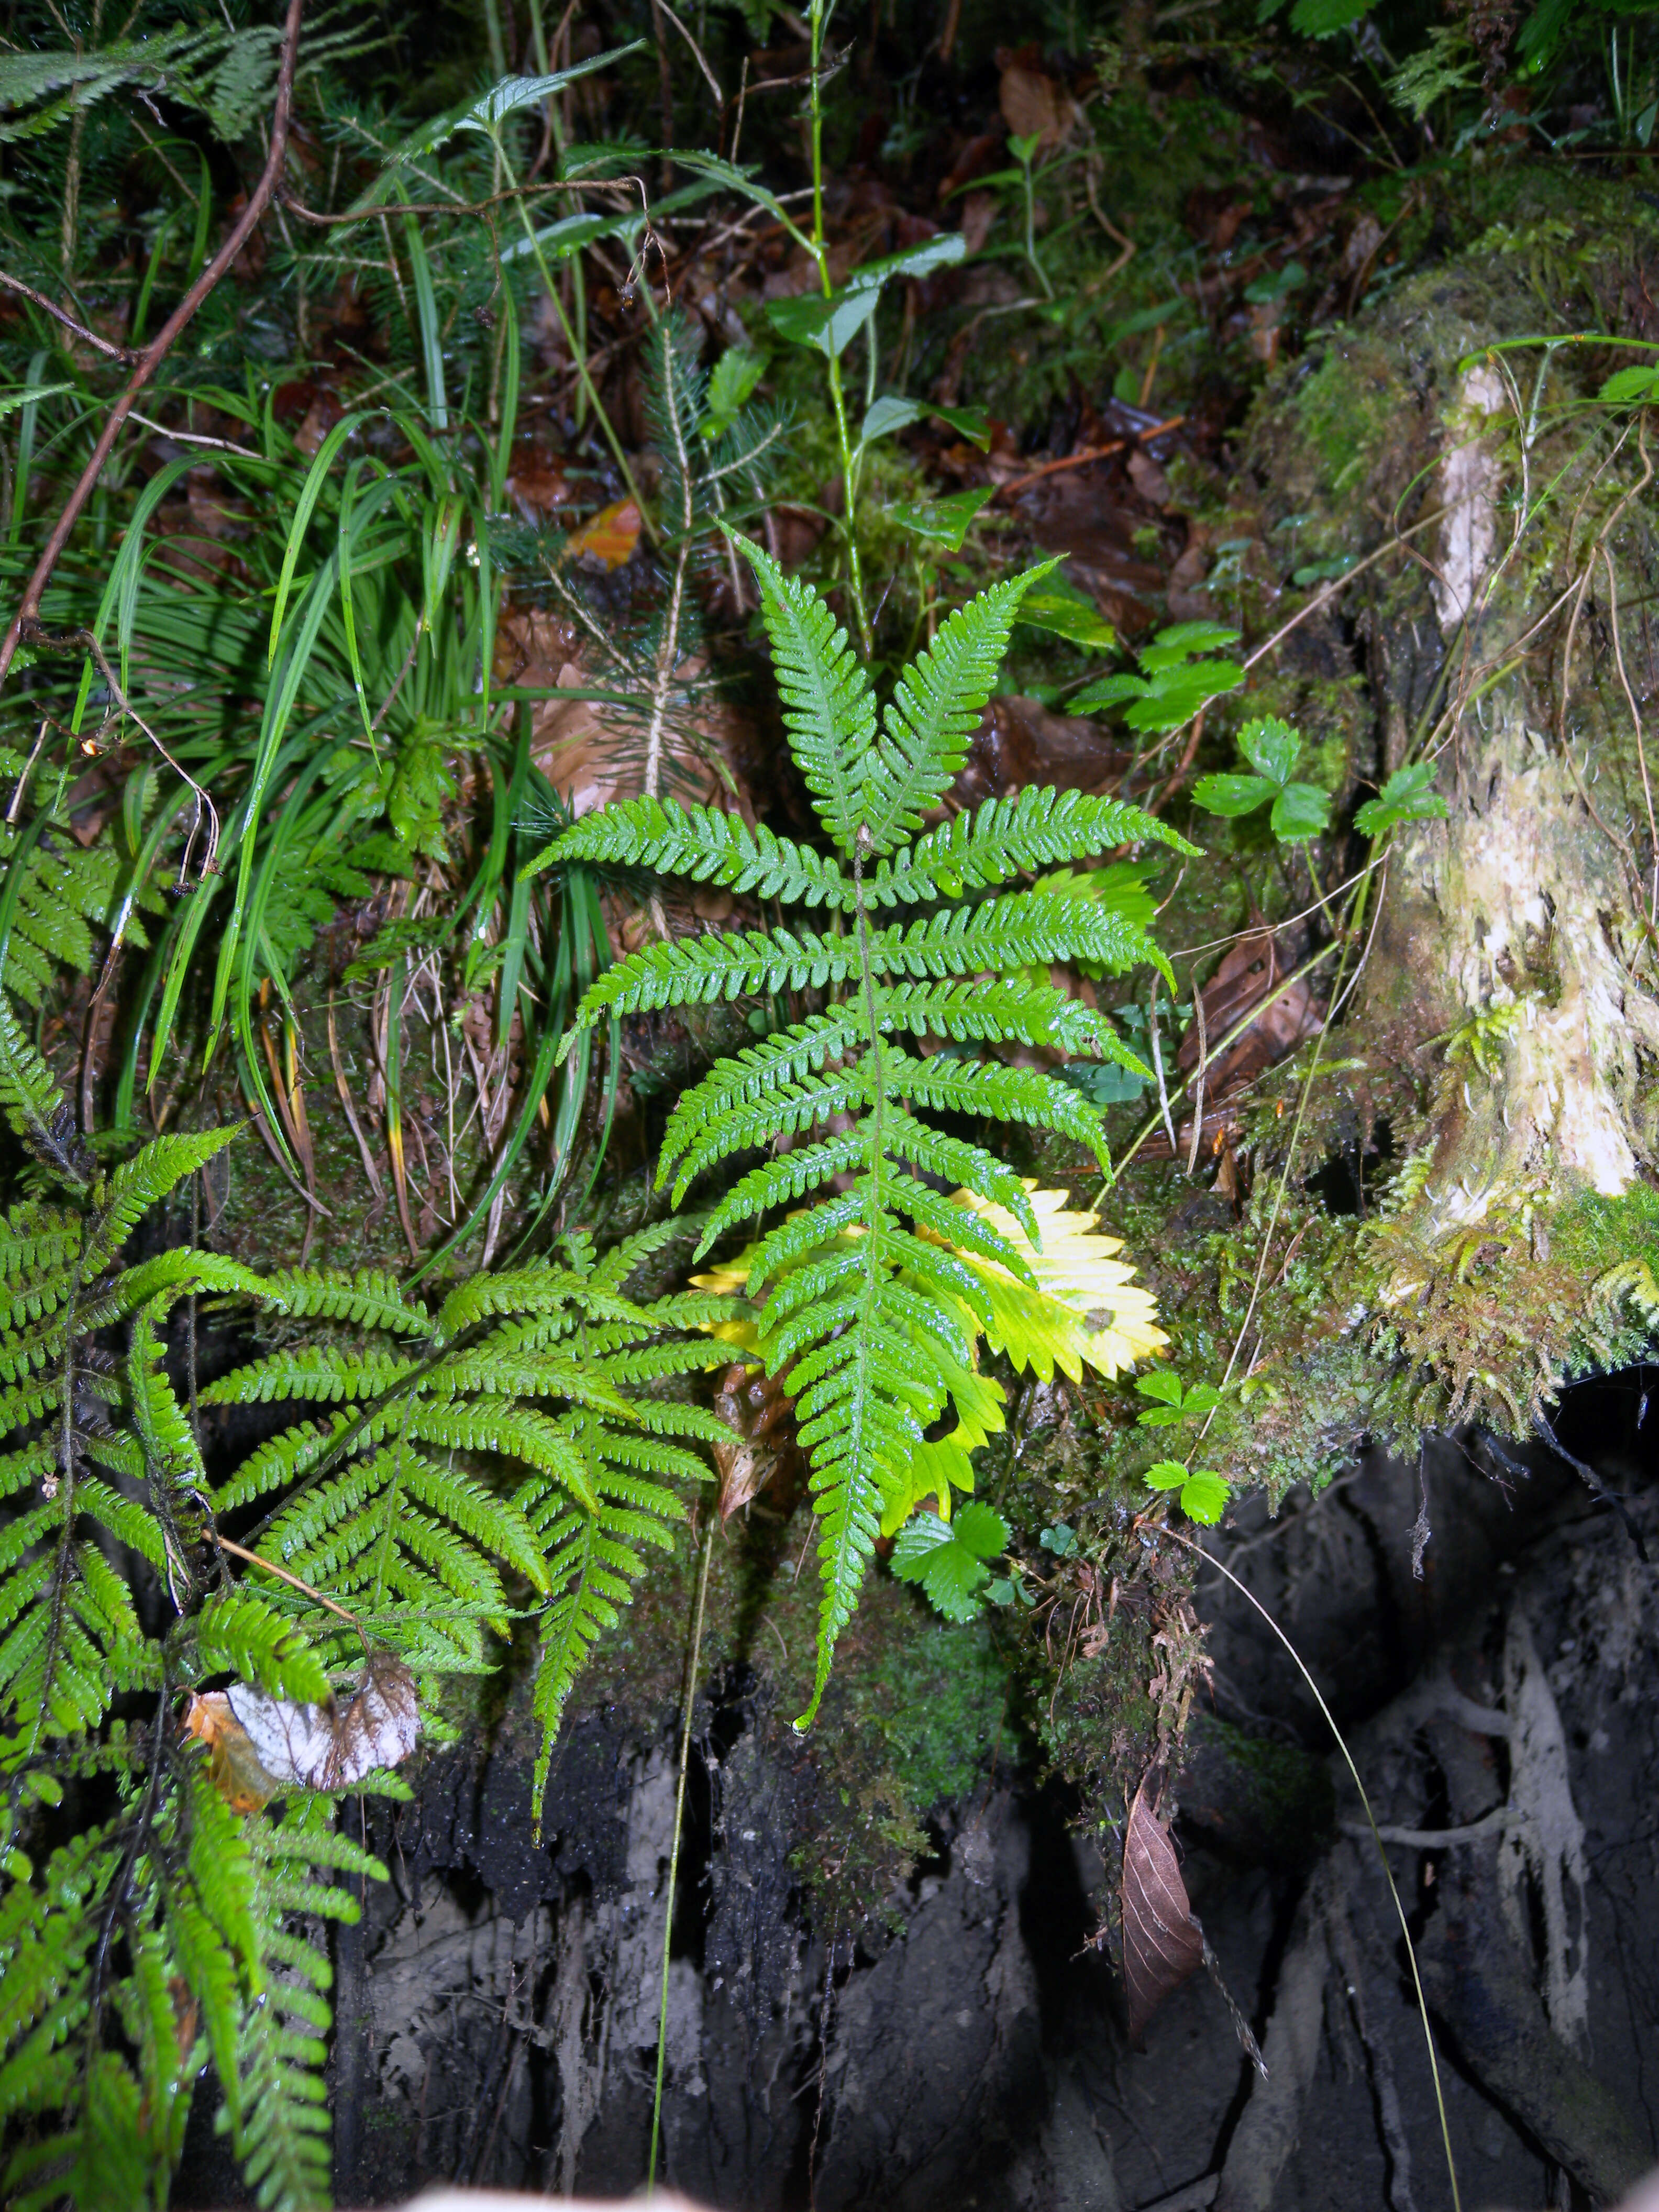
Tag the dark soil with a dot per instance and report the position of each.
(498, 2005)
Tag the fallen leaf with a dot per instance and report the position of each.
(1250, 972)
(609, 539)
(1035, 106)
(262, 1745)
(1019, 741)
(757, 1411)
(1162, 1944)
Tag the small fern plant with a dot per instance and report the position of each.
(846, 1281)
(387, 1506)
(156, 1911)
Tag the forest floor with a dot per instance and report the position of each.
(1209, 324)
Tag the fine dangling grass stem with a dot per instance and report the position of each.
(692, 1672)
(1210, 1560)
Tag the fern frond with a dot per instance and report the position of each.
(782, 1113)
(778, 1063)
(170, 1445)
(37, 1240)
(329, 1374)
(367, 1300)
(528, 1290)
(935, 709)
(1019, 931)
(1001, 1012)
(673, 838)
(1006, 1094)
(776, 1182)
(827, 706)
(240, 1631)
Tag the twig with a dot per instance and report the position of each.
(78, 329)
(457, 207)
(691, 1663)
(1198, 1086)
(1328, 592)
(1089, 453)
(154, 354)
(282, 1575)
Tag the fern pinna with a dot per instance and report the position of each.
(858, 1286)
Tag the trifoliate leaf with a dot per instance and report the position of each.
(1408, 796)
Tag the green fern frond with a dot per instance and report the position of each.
(366, 1299)
(1007, 1094)
(34, 1107)
(1017, 835)
(140, 1182)
(240, 1631)
(330, 1374)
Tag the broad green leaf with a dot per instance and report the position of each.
(918, 260)
(946, 521)
(1204, 1496)
(1271, 747)
(888, 413)
(829, 324)
(1062, 610)
(1173, 647)
(1408, 796)
(1231, 794)
(1301, 810)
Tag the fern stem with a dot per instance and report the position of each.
(668, 651)
(674, 1851)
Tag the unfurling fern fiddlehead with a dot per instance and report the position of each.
(861, 1289)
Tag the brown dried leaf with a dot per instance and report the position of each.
(262, 1745)
(756, 1409)
(1250, 972)
(1162, 1944)
(1035, 106)
(608, 541)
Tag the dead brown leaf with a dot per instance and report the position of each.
(608, 541)
(1019, 741)
(1251, 971)
(1162, 1944)
(758, 1410)
(1035, 106)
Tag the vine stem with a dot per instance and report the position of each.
(674, 1850)
(1210, 1560)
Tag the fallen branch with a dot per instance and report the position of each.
(156, 353)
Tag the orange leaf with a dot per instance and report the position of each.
(609, 539)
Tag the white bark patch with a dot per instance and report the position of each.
(1520, 886)
(1469, 477)
(1546, 1845)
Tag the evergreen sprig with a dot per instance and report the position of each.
(862, 1287)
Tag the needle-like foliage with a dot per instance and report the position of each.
(858, 1288)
